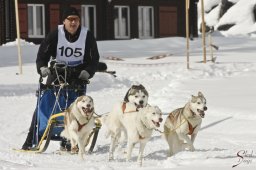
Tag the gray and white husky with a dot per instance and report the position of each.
(136, 98)
(183, 122)
(138, 95)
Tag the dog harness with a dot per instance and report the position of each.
(81, 126)
(124, 107)
(174, 115)
(191, 128)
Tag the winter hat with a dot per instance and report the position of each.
(70, 11)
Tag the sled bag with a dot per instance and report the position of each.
(48, 106)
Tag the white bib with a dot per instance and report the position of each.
(69, 53)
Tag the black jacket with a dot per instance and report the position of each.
(48, 49)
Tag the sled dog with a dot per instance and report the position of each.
(183, 122)
(138, 126)
(138, 95)
(78, 123)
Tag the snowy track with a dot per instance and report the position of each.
(227, 130)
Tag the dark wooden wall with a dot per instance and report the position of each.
(169, 17)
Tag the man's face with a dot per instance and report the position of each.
(72, 23)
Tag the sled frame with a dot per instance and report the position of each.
(53, 122)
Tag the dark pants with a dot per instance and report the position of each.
(29, 140)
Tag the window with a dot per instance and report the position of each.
(122, 22)
(89, 18)
(36, 21)
(146, 22)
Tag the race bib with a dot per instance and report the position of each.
(69, 53)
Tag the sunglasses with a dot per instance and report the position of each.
(71, 19)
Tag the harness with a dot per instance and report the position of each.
(172, 119)
(124, 107)
(80, 126)
(190, 127)
(123, 110)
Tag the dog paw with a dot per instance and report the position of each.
(189, 148)
(74, 150)
(192, 149)
(81, 156)
(170, 154)
(110, 157)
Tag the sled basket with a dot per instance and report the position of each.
(48, 106)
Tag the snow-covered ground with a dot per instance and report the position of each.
(229, 86)
(227, 136)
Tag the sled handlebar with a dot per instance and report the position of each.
(61, 69)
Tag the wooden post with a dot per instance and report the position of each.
(18, 36)
(203, 31)
(187, 31)
(210, 45)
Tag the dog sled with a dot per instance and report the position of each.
(52, 101)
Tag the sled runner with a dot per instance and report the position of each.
(53, 99)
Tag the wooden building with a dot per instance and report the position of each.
(107, 19)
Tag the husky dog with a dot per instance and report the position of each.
(183, 122)
(78, 123)
(138, 126)
(138, 95)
